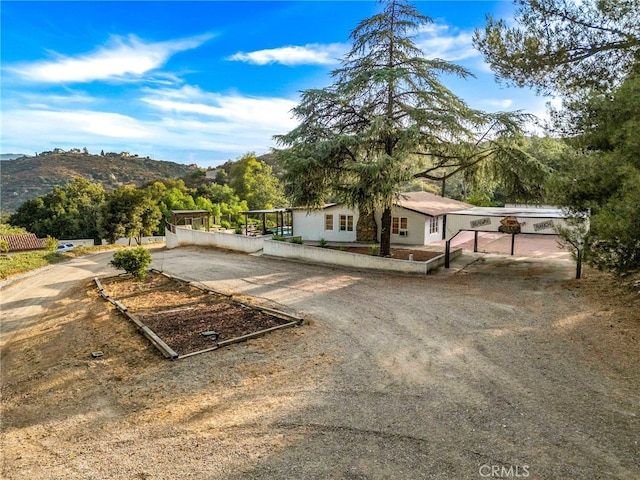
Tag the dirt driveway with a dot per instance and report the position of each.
(496, 368)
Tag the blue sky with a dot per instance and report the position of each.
(200, 82)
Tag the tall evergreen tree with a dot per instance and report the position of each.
(603, 176)
(385, 119)
(564, 46)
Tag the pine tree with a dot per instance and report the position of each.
(385, 119)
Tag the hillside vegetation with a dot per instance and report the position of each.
(29, 177)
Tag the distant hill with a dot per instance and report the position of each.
(11, 156)
(30, 177)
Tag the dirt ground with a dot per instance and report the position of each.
(500, 364)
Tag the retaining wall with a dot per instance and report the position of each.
(144, 240)
(230, 241)
(348, 259)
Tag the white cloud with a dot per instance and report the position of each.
(498, 103)
(176, 124)
(447, 43)
(244, 113)
(435, 40)
(312, 54)
(121, 58)
(66, 125)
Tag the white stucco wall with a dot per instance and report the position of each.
(415, 227)
(310, 224)
(240, 243)
(353, 260)
(532, 220)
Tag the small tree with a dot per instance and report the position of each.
(134, 262)
(574, 238)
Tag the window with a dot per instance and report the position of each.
(328, 221)
(433, 225)
(399, 226)
(346, 223)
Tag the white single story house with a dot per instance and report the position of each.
(417, 218)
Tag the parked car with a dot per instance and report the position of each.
(64, 247)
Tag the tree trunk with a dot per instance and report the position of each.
(367, 229)
(385, 233)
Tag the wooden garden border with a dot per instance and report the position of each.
(166, 350)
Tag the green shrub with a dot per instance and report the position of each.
(4, 246)
(278, 238)
(6, 229)
(134, 261)
(225, 224)
(50, 243)
(374, 250)
(322, 243)
(297, 240)
(239, 230)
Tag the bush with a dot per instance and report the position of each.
(6, 229)
(225, 224)
(135, 261)
(50, 244)
(322, 243)
(374, 250)
(297, 240)
(278, 238)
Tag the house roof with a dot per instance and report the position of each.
(429, 203)
(22, 242)
(421, 202)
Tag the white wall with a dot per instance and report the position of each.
(231, 241)
(486, 223)
(310, 225)
(145, 240)
(348, 259)
(85, 242)
(415, 227)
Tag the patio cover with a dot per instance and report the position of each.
(513, 220)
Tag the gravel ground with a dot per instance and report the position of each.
(498, 366)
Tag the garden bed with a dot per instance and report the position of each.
(187, 318)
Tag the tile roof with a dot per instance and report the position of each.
(23, 242)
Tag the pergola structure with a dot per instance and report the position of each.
(194, 218)
(511, 220)
(283, 219)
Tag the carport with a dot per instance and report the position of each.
(509, 220)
